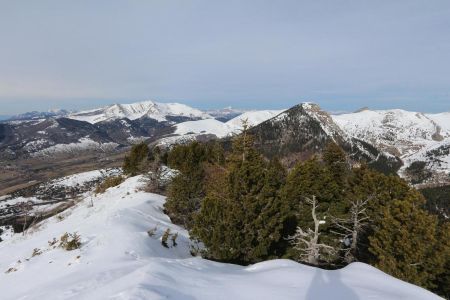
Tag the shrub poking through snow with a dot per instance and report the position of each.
(10, 270)
(151, 232)
(70, 241)
(108, 183)
(36, 252)
(165, 238)
(174, 239)
(53, 243)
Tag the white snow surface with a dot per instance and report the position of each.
(151, 109)
(253, 118)
(208, 126)
(220, 129)
(119, 260)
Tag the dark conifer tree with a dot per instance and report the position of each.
(136, 161)
(240, 217)
(406, 243)
(187, 190)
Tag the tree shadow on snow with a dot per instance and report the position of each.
(328, 285)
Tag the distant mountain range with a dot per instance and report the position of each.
(415, 143)
(35, 115)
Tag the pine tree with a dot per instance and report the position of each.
(336, 161)
(184, 197)
(134, 163)
(443, 275)
(186, 191)
(405, 243)
(240, 220)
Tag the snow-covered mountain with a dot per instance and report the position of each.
(413, 136)
(305, 130)
(102, 129)
(121, 257)
(149, 109)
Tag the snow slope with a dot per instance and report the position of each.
(253, 118)
(119, 260)
(220, 129)
(208, 126)
(150, 109)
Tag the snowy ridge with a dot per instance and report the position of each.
(253, 118)
(208, 126)
(118, 259)
(150, 109)
(220, 129)
(326, 122)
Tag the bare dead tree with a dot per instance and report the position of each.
(307, 242)
(352, 226)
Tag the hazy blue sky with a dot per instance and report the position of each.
(249, 54)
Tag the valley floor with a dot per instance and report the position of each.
(118, 259)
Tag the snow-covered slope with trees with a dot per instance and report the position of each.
(122, 257)
(413, 136)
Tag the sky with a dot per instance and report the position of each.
(340, 54)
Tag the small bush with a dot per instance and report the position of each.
(10, 270)
(70, 241)
(152, 232)
(174, 239)
(52, 243)
(108, 183)
(165, 238)
(36, 252)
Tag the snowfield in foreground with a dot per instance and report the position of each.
(119, 260)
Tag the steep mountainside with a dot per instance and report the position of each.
(422, 141)
(305, 129)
